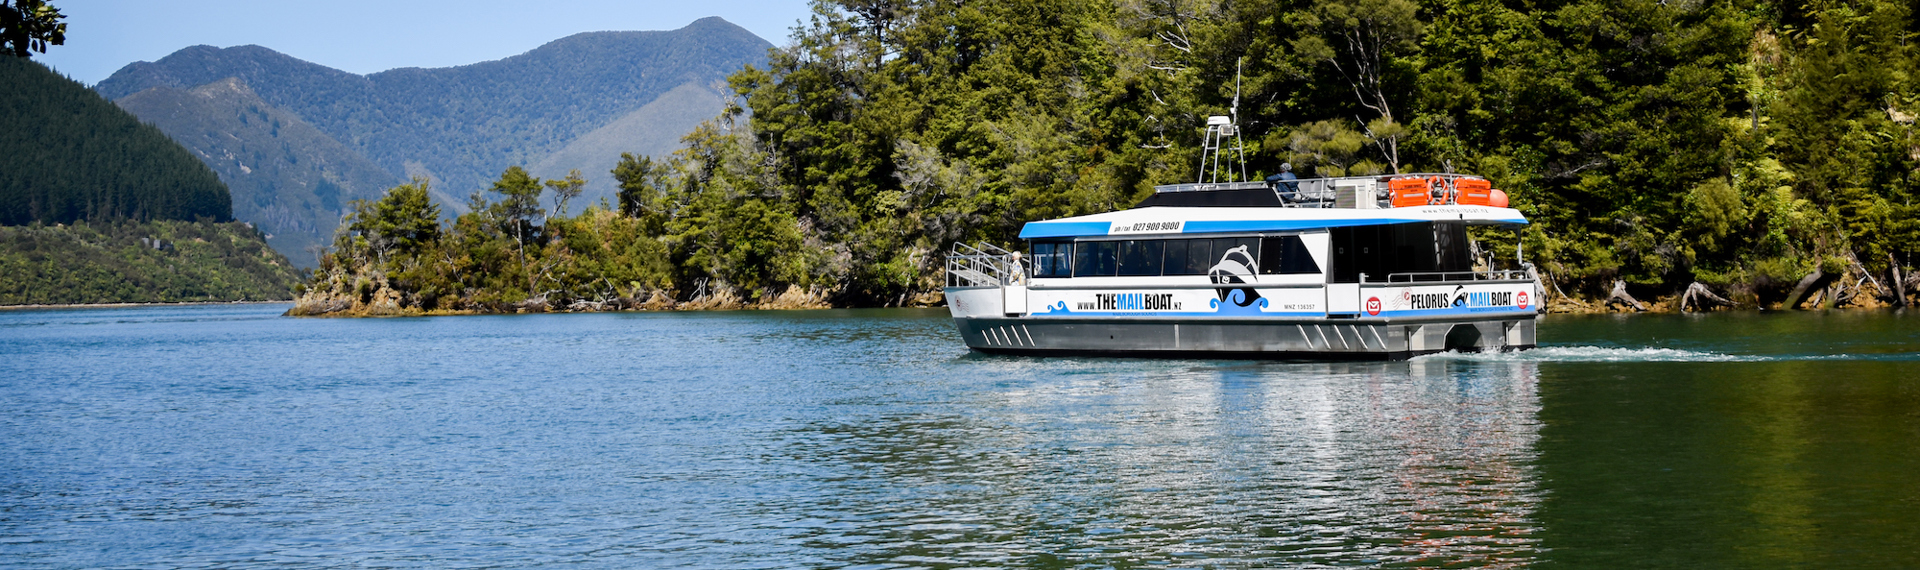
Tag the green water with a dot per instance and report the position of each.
(1798, 447)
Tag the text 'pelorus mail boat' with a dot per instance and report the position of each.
(1373, 267)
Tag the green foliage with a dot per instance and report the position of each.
(28, 26)
(565, 190)
(68, 155)
(1735, 143)
(1714, 212)
(519, 197)
(504, 253)
(1331, 146)
(404, 221)
(139, 262)
(838, 178)
(644, 191)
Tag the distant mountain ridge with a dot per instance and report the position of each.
(285, 175)
(461, 126)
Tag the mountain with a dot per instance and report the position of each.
(653, 129)
(66, 154)
(576, 102)
(286, 176)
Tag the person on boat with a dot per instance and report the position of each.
(1285, 183)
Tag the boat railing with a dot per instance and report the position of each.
(1449, 276)
(1310, 192)
(985, 265)
(1210, 187)
(1325, 192)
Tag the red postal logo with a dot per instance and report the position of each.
(1373, 305)
(1520, 299)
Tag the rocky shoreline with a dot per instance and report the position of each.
(384, 301)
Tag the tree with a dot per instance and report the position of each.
(518, 205)
(643, 190)
(566, 190)
(29, 26)
(1364, 40)
(405, 220)
(1332, 145)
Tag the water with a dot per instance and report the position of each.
(226, 436)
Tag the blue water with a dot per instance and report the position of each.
(230, 437)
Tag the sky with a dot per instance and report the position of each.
(367, 36)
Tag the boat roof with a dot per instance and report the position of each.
(1190, 220)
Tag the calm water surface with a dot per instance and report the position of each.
(229, 437)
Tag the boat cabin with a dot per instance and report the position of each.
(1369, 267)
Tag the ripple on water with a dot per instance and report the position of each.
(222, 436)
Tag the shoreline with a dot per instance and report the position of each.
(129, 305)
(1557, 306)
(1662, 308)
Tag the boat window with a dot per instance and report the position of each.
(1052, 259)
(1094, 259)
(1175, 260)
(1140, 257)
(1451, 239)
(1286, 255)
(1360, 254)
(1412, 251)
(1423, 250)
(1236, 256)
(1189, 256)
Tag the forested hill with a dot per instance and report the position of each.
(67, 154)
(96, 207)
(1763, 150)
(462, 125)
(1755, 147)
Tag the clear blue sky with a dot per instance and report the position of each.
(366, 36)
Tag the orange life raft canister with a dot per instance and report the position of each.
(1410, 192)
(1473, 192)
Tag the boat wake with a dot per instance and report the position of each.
(1616, 354)
(1596, 354)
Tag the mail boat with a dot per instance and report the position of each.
(1379, 268)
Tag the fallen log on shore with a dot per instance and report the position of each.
(1621, 296)
(1800, 289)
(1700, 297)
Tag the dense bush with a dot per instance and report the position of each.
(1742, 144)
(507, 253)
(140, 262)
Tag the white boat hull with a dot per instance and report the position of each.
(981, 317)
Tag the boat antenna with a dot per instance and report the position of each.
(1235, 111)
(1239, 150)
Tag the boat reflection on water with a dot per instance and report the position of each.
(1425, 462)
